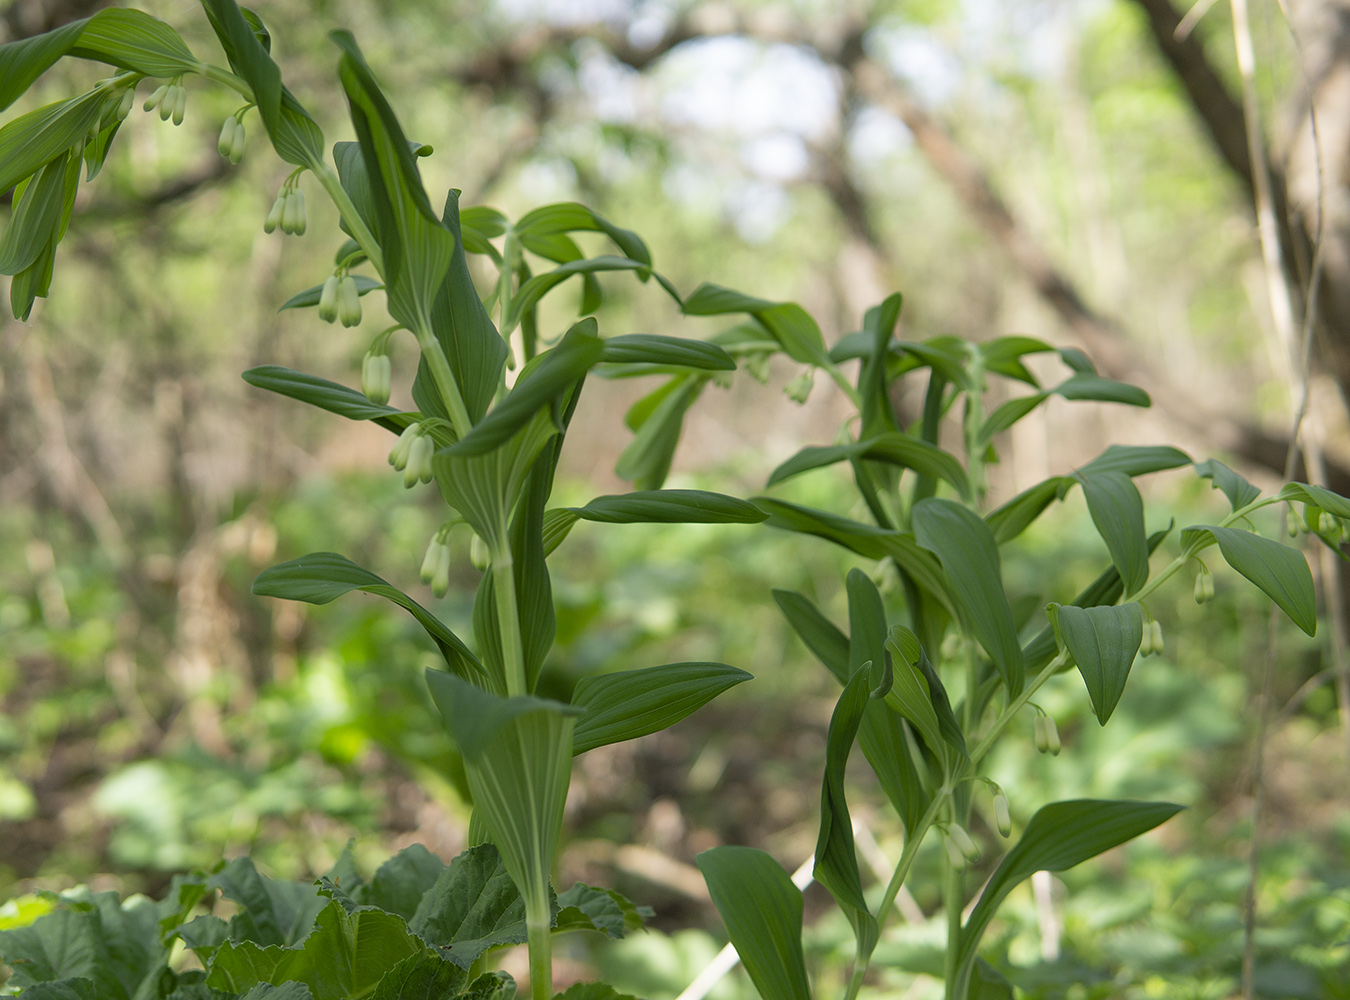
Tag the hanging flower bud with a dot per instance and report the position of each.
(757, 365)
(128, 101)
(1155, 628)
(156, 98)
(349, 302)
(237, 143)
(293, 216)
(955, 855)
(179, 104)
(479, 555)
(436, 565)
(1204, 586)
(1333, 532)
(800, 387)
(1002, 814)
(1052, 744)
(1042, 744)
(1146, 643)
(1293, 524)
(274, 215)
(432, 558)
(963, 842)
(328, 299)
(398, 458)
(953, 645)
(225, 144)
(376, 377)
(419, 461)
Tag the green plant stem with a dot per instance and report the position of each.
(508, 620)
(1015, 706)
(540, 942)
(953, 892)
(347, 209)
(224, 76)
(841, 380)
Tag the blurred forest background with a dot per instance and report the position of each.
(1074, 170)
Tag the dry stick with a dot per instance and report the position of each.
(1281, 303)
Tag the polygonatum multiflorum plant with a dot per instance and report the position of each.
(925, 699)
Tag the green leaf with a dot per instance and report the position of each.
(1137, 460)
(346, 955)
(1008, 413)
(24, 61)
(310, 296)
(788, 323)
(1238, 491)
(490, 986)
(295, 136)
(473, 906)
(517, 757)
(570, 217)
(1117, 510)
(1060, 836)
(326, 395)
(132, 39)
(1015, 516)
(836, 865)
(400, 883)
(1279, 571)
(1103, 642)
(762, 911)
(910, 694)
(586, 907)
(321, 577)
(1323, 499)
(669, 507)
(31, 141)
(878, 412)
(36, 217)
(646, 460)
(528, 295)
(544, 384)
(272, 911)
(418, 248)
(1084, 386)
(821, 636)
(970, 560)
(632, 703)
(420, 977)
(641, 348)
(893, 448)
(592, 991)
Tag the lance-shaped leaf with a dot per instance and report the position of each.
(346, 955)
(878, 413)
(1060, 836)
(36, 216)
(418, 248)
(669, 507)
(1085, 386)
(893, 448)
(31, 141)
(788, 323)
(331, 396)
(1014, 517)
(473, 906)
(1323, 499)
(881, 734)
(632, 703)
(1137, 460)
(321, 577)
(909, 694)
(970, 560)
(1008, 413)
(543, 384)
(762, 911)
(1103, 642)
(649, 349)
(836, 865)
(1117, 510)
(867, 540)
(529, 294)
(296, 137)
(1279, 571)
(658, 419)
(517, 757)
(571, 217)
(1105, 590)
(310, 296)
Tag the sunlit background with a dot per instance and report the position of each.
(1034, 167)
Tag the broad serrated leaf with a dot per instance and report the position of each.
(586, 907)
(1117, 510)
(631, 703)
(321, 577)
(1060, 836)
(1281, 572)
(592, 991)
(420, 977)
(969, 554)
(400, 883)
(272, 911)
(472, 907)
(762, 911)
(1103, 642)
(346, 955)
